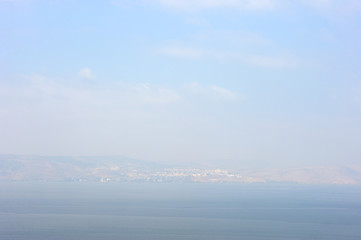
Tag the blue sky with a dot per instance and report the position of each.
(232, 83)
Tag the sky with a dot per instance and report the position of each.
(224, 83)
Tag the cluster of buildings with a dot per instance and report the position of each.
(169, 175)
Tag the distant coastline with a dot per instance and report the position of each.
(122, 169)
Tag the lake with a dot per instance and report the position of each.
(128, 211)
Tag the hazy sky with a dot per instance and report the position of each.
(246, 83)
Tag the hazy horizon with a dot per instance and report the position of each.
(260, 83)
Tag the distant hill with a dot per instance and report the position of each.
(67, 168)
(122, 169)
(310, 175)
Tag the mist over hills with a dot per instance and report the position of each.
(67, 168)
(123, 169)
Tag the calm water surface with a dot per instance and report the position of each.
(66, 211)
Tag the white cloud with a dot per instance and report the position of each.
(232, 38)
(194, 87)
(224, 93)
(333, 8)
(212, 91)
(154, 94)
(248, 59)
(270, 62)
(47, 91)
(86, 73)
(38, 91)
(231, 46)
